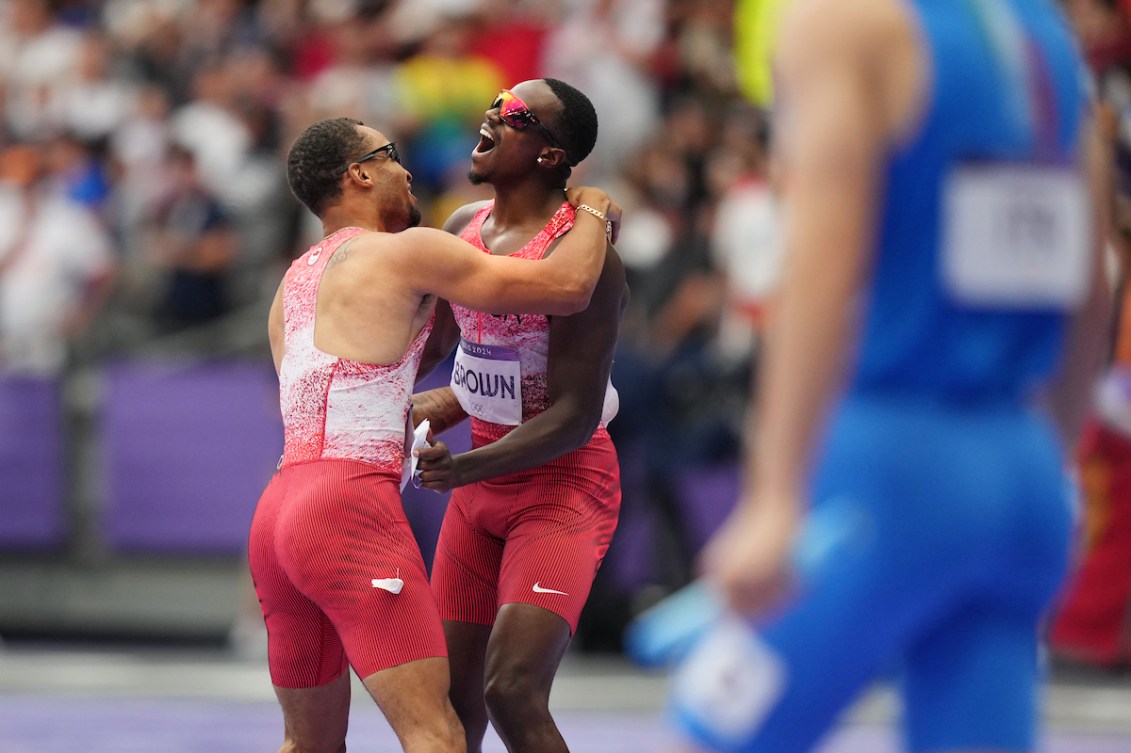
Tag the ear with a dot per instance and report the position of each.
(552, 157)
(357, 173)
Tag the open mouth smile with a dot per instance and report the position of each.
(486, 141)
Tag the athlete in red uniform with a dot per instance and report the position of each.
(335, 566)
(539, 493)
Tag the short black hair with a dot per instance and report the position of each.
(315, 156)
(576, 125)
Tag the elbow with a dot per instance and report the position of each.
(580, 430)
(574, 299)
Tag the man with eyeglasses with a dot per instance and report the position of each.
(536, 499)
(339, 576)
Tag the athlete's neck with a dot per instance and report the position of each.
(333, 221)
(518, 207)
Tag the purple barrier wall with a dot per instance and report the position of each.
(703, 496)
(187, 450)
(32, 509)
(707, 494)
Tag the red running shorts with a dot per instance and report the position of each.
(338, 574)
(534, 537)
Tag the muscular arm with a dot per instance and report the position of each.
(440, 405)
(441, 341)
(831, 196)
(580, 358)
(445, 331)
(436, 263)
(832, 57)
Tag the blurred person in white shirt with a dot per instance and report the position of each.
(56, 267)
(38, 57)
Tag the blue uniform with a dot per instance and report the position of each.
(952, 482)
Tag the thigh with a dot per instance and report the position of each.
(467, 649)
(414, 699)
(778, 685)
(971, 682)
(316, 718)
(351, 551)
(465, 569)
(779, 689)
(526, 647)
(303, 648)
(559, 533)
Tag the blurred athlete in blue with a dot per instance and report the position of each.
(940, 320)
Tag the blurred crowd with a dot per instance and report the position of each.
(144, 207)
(142, 186)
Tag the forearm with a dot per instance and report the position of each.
(440, 407)
(804, 368)
(577, 263)
(546, 437)
(1070, 396)
(828, 209)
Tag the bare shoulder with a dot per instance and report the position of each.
(871, 49)
(825, 30)
(369, 255)
(358, 251)
(462, 217)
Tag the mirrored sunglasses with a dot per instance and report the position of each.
(514, 112)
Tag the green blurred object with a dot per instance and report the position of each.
(755, 30)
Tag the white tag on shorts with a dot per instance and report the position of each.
(611, 406)
(1016, 236)
(729, 682)
(487, 381)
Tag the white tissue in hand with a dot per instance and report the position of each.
(419, 440)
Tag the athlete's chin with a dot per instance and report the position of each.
(414, 217)
(475, 178)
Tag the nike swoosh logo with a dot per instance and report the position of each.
(539, 590)
(392, 585)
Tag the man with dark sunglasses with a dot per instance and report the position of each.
(536, 500)
(334, 562)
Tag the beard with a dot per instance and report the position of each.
(414, 216)
(475, 178)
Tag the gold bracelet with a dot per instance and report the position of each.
(601, 216)
(595, 212)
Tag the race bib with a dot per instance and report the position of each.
(487, 381)
(728, 684)
(1016, 236)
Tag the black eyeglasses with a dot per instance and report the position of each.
(515, 113)
(389, 150)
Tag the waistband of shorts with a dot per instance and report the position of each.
(484, 432)
(956, 400)
(363, 466)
